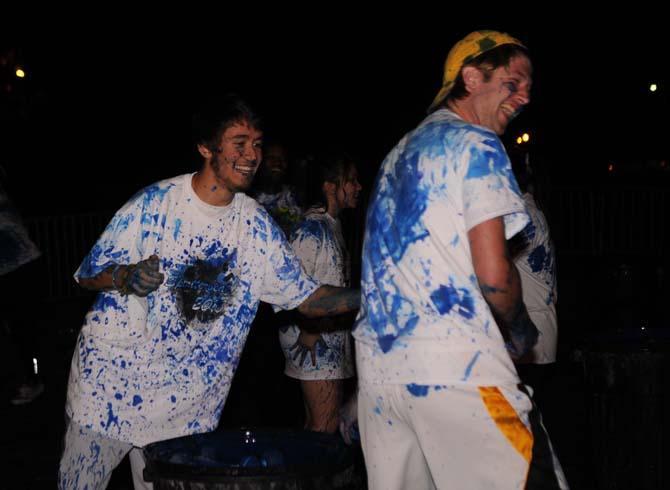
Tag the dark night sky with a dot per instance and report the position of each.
(104, 121)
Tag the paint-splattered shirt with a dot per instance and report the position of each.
(154, 368)
(537, 269)
(423, 318)
(319, 244)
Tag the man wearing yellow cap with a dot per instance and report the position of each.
(442, 316)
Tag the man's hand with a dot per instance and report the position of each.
(307, 343)
(142, 278)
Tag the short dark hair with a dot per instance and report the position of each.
(486, 62)
(218, 114)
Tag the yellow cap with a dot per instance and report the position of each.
(465, 50)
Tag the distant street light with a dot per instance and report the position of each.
(653, 87)
(20, 73)
(525, 137)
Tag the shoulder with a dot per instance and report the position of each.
(159, 191)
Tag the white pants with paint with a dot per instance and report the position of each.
(89, 458)
(456, 437)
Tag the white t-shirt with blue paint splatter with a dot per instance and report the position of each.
(148, 369)
(537, 269)
(423, 318)
(319, 244)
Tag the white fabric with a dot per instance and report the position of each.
(423, 318)
(441, 436)
(319, 245)
(155, 368)
(537, 268)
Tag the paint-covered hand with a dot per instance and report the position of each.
(143, 277)
(349, 420)
(307, 343)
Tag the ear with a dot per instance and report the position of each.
(205, 152)
(472, 78)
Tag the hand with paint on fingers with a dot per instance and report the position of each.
(143, 278)
(307, 343)
(349, 420)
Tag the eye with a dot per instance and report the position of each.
(511, 86)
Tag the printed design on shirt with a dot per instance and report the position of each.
(204, 288)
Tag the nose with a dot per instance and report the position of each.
(523, 95)
(252, 153)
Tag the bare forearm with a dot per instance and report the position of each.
(330, 301)
(104, 280)
(507, 306)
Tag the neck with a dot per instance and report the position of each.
(333, 209)
(464, 109)
(209, 189)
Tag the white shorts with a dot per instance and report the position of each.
(333, 361)
(456, 437)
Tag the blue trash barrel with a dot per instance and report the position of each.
(627, 374)
(248, 459)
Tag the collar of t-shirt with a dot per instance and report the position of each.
(205, 209)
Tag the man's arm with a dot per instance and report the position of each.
(139, 279)
(330, 301)
(500, 284)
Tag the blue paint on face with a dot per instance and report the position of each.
(447, 297)
(468, 369)
(137, 399)
(418, 390)
(177, 226)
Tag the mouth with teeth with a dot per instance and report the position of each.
(246, 169)
(510, 111)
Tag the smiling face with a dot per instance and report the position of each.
(235, 161)
(499, 99)
(348, 189)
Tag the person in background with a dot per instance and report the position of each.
(322, 361)
(535, 258)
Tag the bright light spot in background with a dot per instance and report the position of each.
(20, 73)
(610, 167)
(519, 140)
(653, 87)
(35, 370)
(525, 137)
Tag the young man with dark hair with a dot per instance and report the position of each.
(181, 269)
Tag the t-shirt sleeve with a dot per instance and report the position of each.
(118, 243)
(285, 283)
(489, 187)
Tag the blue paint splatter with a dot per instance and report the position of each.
(447, 297)
(538, 259)
(137, 399)
(417, 390)
(177, 227)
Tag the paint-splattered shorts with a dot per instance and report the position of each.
(455, 436)
(89, 458)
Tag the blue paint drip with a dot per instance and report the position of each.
(177, 226)
(468, 369)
